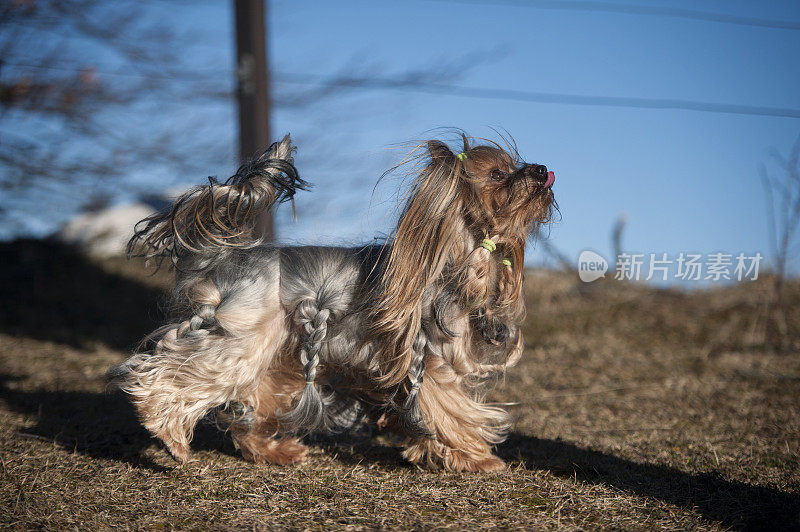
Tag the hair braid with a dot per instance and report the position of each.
(316, 328)
(194, 326)
(197, 326)
(473, 279)
(308, 411)
(410, 414)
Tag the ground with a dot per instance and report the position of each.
(634, 408)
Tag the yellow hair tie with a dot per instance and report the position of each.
(507, 262)
(462, 156)
(488, 245)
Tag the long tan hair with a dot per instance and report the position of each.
(429, 228)
(437, 242)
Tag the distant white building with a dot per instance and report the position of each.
(104, 233)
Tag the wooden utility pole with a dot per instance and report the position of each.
(252, 85)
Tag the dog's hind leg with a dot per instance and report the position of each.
(257, 433)
(285, 402)
(464, 429)
(213, 358)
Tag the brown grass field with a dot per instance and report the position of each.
(635, 408)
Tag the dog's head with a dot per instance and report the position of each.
(463, 230)
(499, 194)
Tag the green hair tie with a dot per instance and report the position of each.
(507, 262)
(475, 302)
(462, 156)
(488, 245)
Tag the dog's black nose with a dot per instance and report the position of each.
(538, 172)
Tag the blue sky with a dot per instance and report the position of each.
(686, 180)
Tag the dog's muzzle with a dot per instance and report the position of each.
(539, 174)
(542, 176)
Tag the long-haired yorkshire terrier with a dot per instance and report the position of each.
(282, 341)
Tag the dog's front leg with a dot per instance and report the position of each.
(463, 428)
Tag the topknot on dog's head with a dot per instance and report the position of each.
(466, 148)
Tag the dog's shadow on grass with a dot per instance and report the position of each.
(54, 293)
(100, 425)
(732, 503)
(735, 504)
(104, 426)
(362, 449)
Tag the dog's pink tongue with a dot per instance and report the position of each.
(551, 178)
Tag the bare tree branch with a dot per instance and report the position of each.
(95, 90)
(783, 209)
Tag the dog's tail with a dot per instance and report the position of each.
(210, 218)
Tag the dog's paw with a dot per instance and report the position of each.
(264, 450)
(288, 452)
(491, 464)
(484, 463)
(178, 451)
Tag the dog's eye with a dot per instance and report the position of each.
(498, 175)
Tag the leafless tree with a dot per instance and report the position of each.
(91, 90)
(783, 207)
(83, 84)
(616, 236)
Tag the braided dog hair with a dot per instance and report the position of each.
(308, 412)
(283, 341)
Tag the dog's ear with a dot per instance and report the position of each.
(425, 237)
(440, 152)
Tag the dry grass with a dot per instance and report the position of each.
(638, 408)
